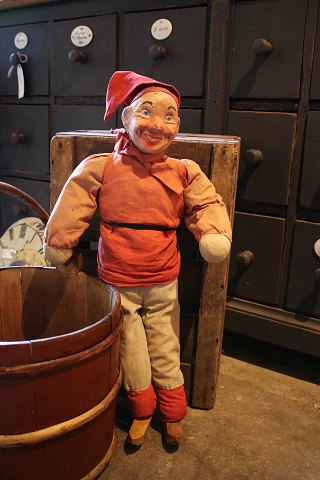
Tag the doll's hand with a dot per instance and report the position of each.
(214, 247)
(57, 256)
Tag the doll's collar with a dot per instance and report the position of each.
(125, 146)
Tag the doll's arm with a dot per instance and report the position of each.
(73, 210)
(206, 215)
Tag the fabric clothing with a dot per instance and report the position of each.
(126, 87)
(143, 403)
(172, 403)
(132, 187)
(150, 348)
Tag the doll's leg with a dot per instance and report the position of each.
(135, 362)
(161, 319)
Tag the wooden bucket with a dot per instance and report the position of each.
(59, 373)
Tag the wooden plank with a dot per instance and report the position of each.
(54, 302)
(213, 299)
(11, 329)
(61, 148)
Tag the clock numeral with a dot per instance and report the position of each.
(11, 234)
(23, 230)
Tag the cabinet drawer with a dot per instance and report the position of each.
(13, 209)
(315, 83)
(267, 49)
(81, 69)
(36, 69)
(24, 138)
(310, 185)
(191, 120)
(266, 150)
(65, 118)
(255, 263)
(179, 57)
(303, 287)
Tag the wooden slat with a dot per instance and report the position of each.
(11, 328)
(54, 302)
(60, 171)
(213, 298)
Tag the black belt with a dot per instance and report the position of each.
(139, 226)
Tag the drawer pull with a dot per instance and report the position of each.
(261, 46)
(157, 52)
(76, 56)
(16, 138)
(253, 156)
(244, 259)
(317, 275)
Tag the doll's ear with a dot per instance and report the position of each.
(126, 116)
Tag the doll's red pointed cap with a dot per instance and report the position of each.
(125, 87)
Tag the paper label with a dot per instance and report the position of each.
(161, 29)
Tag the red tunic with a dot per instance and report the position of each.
(135, 188)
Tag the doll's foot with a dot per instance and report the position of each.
(138, 431)
(173, 433)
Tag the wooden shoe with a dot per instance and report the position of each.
(138, 431)
(173, 433)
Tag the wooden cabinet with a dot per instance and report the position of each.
(304, 278)
(256, 258)
(267, 48)
(266, 154)
(24, 138)
(32, 41)
(179, 58)
(82, 68)
(310, 185)
(249, 68)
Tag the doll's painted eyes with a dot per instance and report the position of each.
(145, 112)
(169, 118)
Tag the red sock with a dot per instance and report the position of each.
(172, 403)
(143, 403)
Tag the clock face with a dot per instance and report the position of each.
(21, 243)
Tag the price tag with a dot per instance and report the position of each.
(161, 29)
(81, 36)
(21, 40)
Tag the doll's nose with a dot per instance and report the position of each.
(157, 124)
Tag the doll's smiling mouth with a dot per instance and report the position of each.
(152, 138)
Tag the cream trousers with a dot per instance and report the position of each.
(150, 348)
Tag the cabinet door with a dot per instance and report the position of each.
(30, 40)
(315, 83)
(24, 138)
(266, 150)
(256, 256)
(303, 287)
(267, 49)
(66, 118)
(177, 59)
(84, 68)
(13, 209)
(310, 184)
(191, 120)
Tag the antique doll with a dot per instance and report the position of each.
(142, 196)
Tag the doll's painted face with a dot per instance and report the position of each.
(152, 121)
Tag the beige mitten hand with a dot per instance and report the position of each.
(57, 256)
(214, 247)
